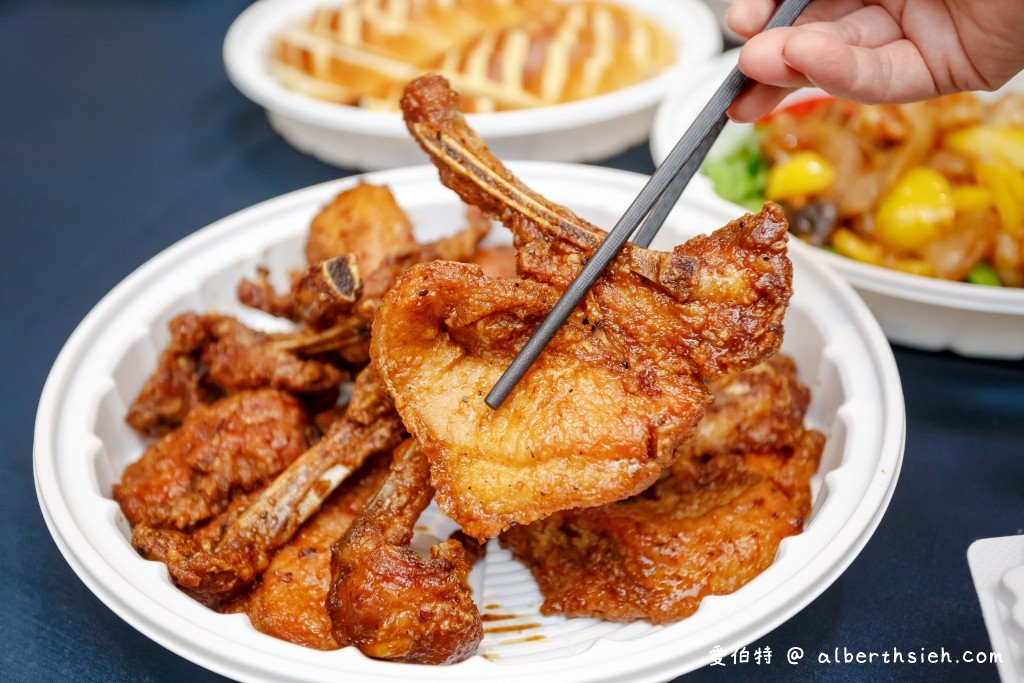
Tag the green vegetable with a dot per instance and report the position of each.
(740, 174)
(983, 274)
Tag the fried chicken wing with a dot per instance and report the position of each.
(620, 386)
(289, 602)
(234, 445)
(386, 599)
(216, 569)
(711, 524)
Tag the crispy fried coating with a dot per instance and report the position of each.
(620, 386)
(756, 410)
(238, 357)
(711, 524)
(496, 261)
(234, 445)
(289, 602)
(212, 355)
(386, 599)
(321, 295)
(364, 221)
(217, 567)
(175, 388)
(342, 293)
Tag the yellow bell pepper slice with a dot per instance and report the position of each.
(914, 266)
(915, 211)
(802, 174)
(990, 144)
(971, 198)
(852, 245)
(1007, 186)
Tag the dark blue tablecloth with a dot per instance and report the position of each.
(120, 134)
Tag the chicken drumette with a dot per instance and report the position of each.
(289, 601)
(386, 599)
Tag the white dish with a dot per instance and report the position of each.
(997, 567)
(586, 130)
(82, 445)
(921, 312)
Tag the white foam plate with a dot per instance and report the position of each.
(82, 445)
(586, 130)
(921, 312)
(997, 567)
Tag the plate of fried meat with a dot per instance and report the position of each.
(268, 450)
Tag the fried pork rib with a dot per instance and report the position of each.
(358, 244)
(756, 410)
(621, 385)
(210, 355)
(289, 602)
(232, 446)
(365, 222)
(215, 567)
(175, 387)
(712, 523)
(386, 599)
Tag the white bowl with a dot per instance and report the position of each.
(920, 312)
(82, 445)
(351, 137)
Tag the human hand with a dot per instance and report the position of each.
(877, 51)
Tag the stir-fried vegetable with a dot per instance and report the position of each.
(803, 174)
(917, 209)
(984, 274)
(740, 174)
(933, 188)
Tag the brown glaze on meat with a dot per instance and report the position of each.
(238, 357)
(217, 568)
(622, 384)
(289, 602)
(364, 221)
(175, 388)
(711, 524)
(212, 355)
(387, 600)
(234, 445)
(496, 261)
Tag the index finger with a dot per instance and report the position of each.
(748, 17)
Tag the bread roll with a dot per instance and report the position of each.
(500, 54)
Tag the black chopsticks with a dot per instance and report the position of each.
(650, 207)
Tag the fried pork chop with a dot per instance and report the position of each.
(604, 408)
(712, 523)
